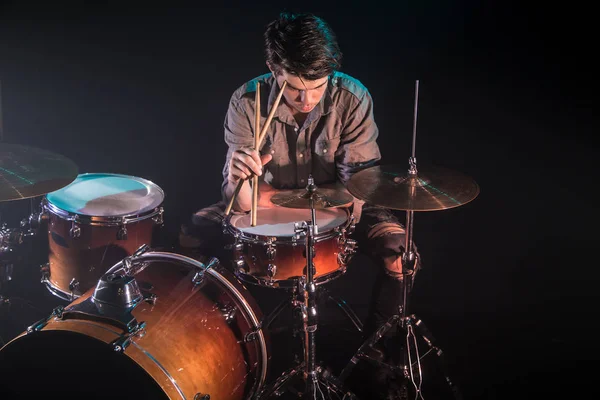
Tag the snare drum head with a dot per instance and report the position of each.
(107, 195)
(279, 221)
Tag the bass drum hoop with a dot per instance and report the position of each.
(142, 261)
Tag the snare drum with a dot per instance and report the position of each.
(273, 253)
(157, 326)
(93, 223)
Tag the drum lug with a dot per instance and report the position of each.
(124, 340)
(75, 230)
(271, 270)
(158, 218)
(122, 233)
(150, 298)
(241, 266)
(271, 251)
(57, 312)
(228, 311)
(201, 396)
(73, 286)
(348, 247)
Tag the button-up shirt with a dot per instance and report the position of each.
(337, 139)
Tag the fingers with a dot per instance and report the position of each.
(244, 163)
(266, 158)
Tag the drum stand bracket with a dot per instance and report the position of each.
(317, 379)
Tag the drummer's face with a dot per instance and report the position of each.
(301, 95)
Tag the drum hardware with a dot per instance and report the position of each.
(272, 253)
(388, 187)
(9, 239)
(315, 377)
(173, 347)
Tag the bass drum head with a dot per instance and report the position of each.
(70, 365)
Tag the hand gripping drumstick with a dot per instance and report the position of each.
(262, 135)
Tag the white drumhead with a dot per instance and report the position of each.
(279, 221)
(107, 195)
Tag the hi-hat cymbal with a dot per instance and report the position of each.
(431, 189)
(322, 198)
(28, 172)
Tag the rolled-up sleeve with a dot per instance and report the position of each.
(358, 147)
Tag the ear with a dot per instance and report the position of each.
(270, 69)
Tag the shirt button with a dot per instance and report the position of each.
(295, 129)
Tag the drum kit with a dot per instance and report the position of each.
(188, 328)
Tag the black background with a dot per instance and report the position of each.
(509, 287)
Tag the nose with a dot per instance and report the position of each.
(303, 96)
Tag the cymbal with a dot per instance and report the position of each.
(322, 198)
(28, 171)
(431, 189)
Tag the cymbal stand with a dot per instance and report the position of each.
(319, 382)
(407, 322)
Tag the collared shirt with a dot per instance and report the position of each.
(337, 139)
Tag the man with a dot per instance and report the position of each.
(323, 127)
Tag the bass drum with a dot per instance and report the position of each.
(158, 325)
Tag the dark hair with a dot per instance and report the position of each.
(303, 45)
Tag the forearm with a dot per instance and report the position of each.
(243, 200)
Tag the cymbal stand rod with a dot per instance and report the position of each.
(415, 119)
(409, 257)
(310, 299)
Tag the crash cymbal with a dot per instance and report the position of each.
(431, 189)
(322, 198)
(28, 172)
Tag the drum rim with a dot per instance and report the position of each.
(256, 238)
(219, 274)
(112, 220)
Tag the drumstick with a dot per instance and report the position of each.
(256, 147)
(260, 139)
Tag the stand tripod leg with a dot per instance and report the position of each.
(428, 338)
(360, 353)
(280, 385)
(344, 307)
